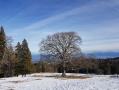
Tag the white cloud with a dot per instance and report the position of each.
(105, 47)
(98, 33)
(95, 6)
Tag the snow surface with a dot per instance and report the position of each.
(41, 81)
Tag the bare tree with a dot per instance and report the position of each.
(63, 46)
(8, 61)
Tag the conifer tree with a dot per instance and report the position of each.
(19, 59)
(26, 54)
(2, 49)
(2, 42)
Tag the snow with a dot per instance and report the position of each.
(42, 81)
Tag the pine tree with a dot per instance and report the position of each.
(2, 50)
(19, 59)
(27, 58)
(23, 55)
(2, 42)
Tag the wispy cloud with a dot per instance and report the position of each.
(96, 35)
(88, 8)
(102, 47)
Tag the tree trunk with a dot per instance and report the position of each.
(117, 75)
(64, 71)
(87, 70)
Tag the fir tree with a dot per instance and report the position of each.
(26, 54)
(2, 42)
(19, 59)
(2, 50)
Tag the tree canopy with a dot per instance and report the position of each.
(63, 46)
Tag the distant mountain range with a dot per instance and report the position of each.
(105, 54)
(36, 57)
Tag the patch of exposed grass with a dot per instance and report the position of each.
(10, 89)
(38, 79)
(38, 76)
(17, 81)
(64, 78)
(45, 76)
(73, 77)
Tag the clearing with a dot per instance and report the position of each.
(53, 81)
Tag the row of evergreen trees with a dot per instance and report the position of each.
(14, 61)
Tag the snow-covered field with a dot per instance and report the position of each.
(41, 81)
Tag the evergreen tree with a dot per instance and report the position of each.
(2, 42)
(2, 50)
(23, 56)
(19, 59)
(27, 58)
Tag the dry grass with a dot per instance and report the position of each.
(11, 89)
(38, 79)
(45, 76)
(38, 76)
(64, 78)
(73, 77)
(17, 81)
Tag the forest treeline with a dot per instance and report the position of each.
(82, 64)
(17, 60)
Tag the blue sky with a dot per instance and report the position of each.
(96, 21)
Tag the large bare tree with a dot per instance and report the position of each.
(64, 46)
